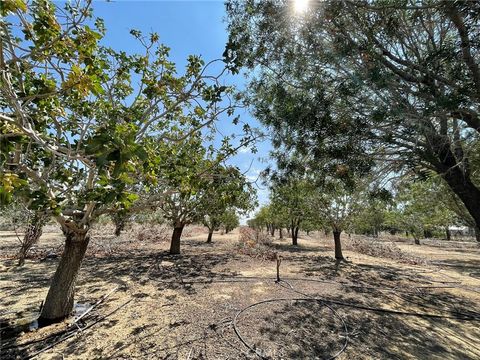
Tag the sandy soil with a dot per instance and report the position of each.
(185, 307)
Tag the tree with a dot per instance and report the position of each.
(337, 204)
(79, 121)
(29, 222)
(399, 82)
(228, 189)
(419, 210)
(371, 218)
(292, 199)
(229, 220)
(184, 178)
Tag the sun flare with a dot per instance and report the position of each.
(300, 6)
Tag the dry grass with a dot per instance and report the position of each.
(382, 249)
(181, 307)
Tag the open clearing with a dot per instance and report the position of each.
(182, 307)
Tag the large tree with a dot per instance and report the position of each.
(79, 121)
(372, 80)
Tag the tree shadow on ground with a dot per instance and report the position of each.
(465, 267)
(309, 329)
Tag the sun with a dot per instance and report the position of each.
(300, 6)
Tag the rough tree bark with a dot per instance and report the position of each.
(59, 302)
(338, 244)
(175, 244)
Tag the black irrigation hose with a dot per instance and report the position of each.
(261, 356)
(465, 317)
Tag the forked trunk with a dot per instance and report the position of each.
(59, 302)
(338, 244)
(210, 234)
(295, 236)
(175, 244)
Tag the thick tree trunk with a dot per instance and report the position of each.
(416, 239)
(338, 245)
(175, 244)
(210, 234)
(295, 236)
(465, 190)
(32, 234)
(448, 234)
(280, 232)
(272, 230)
(59, 302)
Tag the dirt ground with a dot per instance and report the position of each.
(213, 302)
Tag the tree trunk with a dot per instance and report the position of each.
(175, 244)
(272, 230)
(427, 233)
(32, 234)
(447, 233)
(119, 227)
(338, 245)
(59, 302)
(280, 232)
(416, 239)
(466, 191)
(477, 233)
(210, 234)
(295, 236)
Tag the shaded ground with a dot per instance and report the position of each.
(183, 307)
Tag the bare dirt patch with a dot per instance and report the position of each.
(183, 307)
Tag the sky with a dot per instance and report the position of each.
(187, 27)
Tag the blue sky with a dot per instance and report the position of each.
(187, 27)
